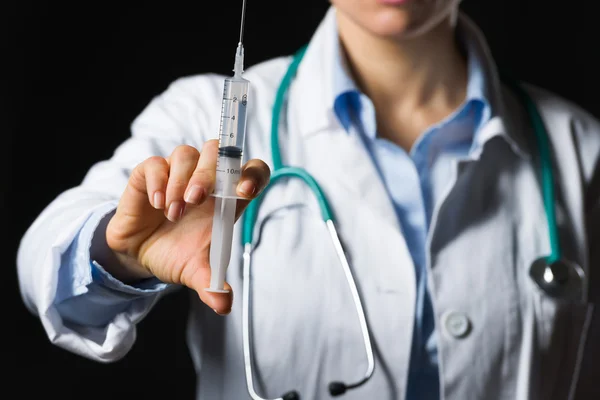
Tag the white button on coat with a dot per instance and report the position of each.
(456, 324)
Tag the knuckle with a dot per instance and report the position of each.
(185, 151)
(137, 174)
(177, 182)
(204, 176)
(138, 169)
(210, 143)
(156, 167)
(211, 146)
(156, 161)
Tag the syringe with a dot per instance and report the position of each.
(232, 134)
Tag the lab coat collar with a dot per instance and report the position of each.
(314, 87)
(503, 122)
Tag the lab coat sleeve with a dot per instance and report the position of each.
(81, 307)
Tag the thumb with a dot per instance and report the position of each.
(255, 177)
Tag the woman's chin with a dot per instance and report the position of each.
(396, 24)
(392, 23)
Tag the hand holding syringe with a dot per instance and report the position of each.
(163, 223)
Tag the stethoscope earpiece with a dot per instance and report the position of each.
(560, 279)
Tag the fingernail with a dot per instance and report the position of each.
(194, 195)
(159, 200)
(175, 211)
(218, 313)
(248, 188)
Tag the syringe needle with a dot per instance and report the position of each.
(243, 20)
(238, 66)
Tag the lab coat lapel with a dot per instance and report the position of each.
(311, 96)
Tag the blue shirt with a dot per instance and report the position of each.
(415, 182)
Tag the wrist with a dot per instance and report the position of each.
(127, 269)
(113, 261)
(117, 262)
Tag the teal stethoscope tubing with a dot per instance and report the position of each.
(280, 171)
(547, 177)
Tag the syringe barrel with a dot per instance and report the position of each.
(232, 135)
(233, 113)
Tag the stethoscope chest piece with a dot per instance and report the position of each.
(560, 279)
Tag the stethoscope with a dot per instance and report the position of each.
(553, 275)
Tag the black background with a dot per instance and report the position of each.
(74, 77)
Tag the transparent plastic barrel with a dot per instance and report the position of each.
(232, 135)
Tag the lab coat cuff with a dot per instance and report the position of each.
(99, 250)
(143, 287)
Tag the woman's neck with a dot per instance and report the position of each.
(413, 83)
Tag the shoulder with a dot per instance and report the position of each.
(555, 105)
(570, 123)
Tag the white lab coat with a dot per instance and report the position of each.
(520, 344)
